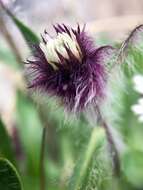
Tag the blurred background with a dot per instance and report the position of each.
(108, 21)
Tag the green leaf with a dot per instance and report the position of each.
(9, 178)
(30, 130)
(27, 33)
(133, 167)
(6, 57)
(5, 144)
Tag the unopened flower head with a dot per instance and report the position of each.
(70, 67)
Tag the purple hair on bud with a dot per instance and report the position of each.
(70, 67)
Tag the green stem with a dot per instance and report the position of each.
(42, 161)
(113, 150)
(96, 140)
(112, 145)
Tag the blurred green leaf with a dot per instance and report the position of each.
(30, 129)
(133, 167)
(29, 36)
(7, 57)
(9, 178)
(5, 144)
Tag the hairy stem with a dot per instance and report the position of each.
(42, 160)
(125, 45)
(113, 149)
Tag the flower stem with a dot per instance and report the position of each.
(113, 149)
(42, 160)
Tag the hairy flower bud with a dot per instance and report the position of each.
(70, 67)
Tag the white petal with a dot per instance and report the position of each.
(141, 118)
(140, 101)
(138, 109)
(138, 81)
(49, 49)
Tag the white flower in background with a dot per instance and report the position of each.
(138, 83)
(138, 86)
